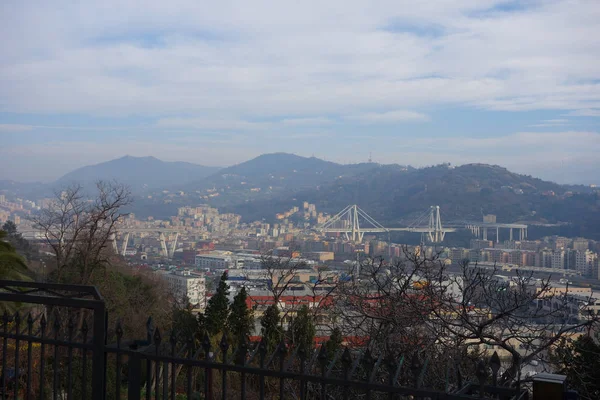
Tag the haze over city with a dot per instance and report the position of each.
(514, 83)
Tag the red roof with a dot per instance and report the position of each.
(252, 301)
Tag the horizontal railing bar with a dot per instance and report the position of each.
(91, 290)
(37, 339)
(52, 300)
(294, 376)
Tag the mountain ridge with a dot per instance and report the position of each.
(137, 172)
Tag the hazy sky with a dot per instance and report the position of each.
(515, 83)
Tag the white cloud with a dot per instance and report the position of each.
(388, 117)
(266, 59)
(309, 121)
(14, 128)
(586, 112)
(551, 122)
(210, 124)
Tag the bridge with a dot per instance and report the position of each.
(167, 236)
(354, 222)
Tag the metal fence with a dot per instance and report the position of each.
(52, 352)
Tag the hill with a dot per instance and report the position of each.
(271, 175)
(140, 173)
(394, 196)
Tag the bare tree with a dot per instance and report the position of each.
(80, 229)
(418, 304)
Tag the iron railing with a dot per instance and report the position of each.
(49, 353)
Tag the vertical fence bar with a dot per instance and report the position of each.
(134, 377)
(322, 357)
(55, 380)
(224, 347)
(84, 335)
(157, 340)
(282, 350)
(29, 355)
(98, 354)
(148, 362)
(173, 341)
(241, 360)
(302, 357)
(190, 368)
(17, 349)
(368, 365)
(208, 369)
(42, 355)
(119, 335)
(346, 362)
(70, 328)
(4, 352)
(262, 353)
(165, 374)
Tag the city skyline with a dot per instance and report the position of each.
(508, 83)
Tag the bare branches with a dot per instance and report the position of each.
(417, 303)
(79, 229)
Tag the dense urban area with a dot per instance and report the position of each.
(322, 278)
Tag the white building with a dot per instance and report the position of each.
(215, 261)
(584, 262)
(185, 285)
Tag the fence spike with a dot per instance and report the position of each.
(262, 351)
(224, 345)
(495, 366)
(173, 338)
(29, 320)
(157, 337)
(119, 332)
(282, 348)
(17, 318)
(242, 351)
(206, 344)
(149, 324)
(346, 358)
(367, 359)
(322, 357)
(5, 318)
(43, 322)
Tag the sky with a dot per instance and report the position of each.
(513, 83)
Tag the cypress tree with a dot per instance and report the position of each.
(334, 343)
(271, 326)
(303, 329)
(241, 318)
(217, 309)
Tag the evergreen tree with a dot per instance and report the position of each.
(271, 326)
(580, 361)
(241, 318)
(303, 329)
(334, 343)
(217, 309)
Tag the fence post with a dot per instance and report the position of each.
(134, 377)
(98, 354)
